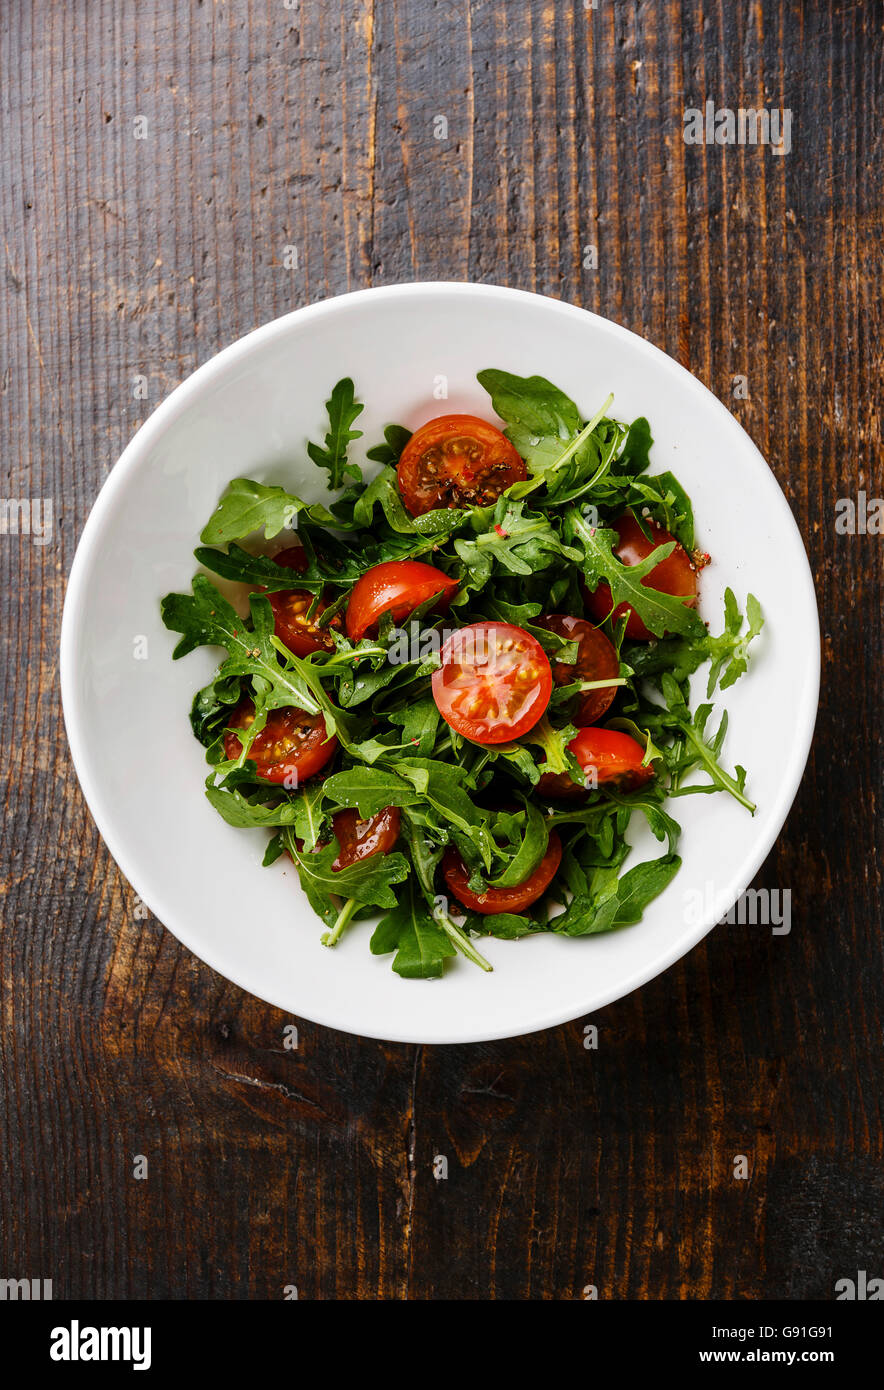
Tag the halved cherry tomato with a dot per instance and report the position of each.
(494, 682)
(291, 746)
(596, 661)
(301, 634)
(396, 587)
(457, 461)
(360, 839)
(293, 558)
(514, 899)
(615, 759)
(677, 574)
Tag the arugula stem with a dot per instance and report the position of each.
(460, 939)
(567, 454)
(600, 685)
(331, 938)
(716, 771)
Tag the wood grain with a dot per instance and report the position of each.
(315, 127)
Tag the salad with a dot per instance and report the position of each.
(446, 694)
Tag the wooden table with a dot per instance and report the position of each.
(157, 161)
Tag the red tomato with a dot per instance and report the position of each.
(615, 759)
(290, 608)
(677, 574)
(494, 682)
(596, 661)
(291, 746)
(294, 558)
(397, 587)
(502, 899)
(360, 839)
(457, 461)
(293, 627)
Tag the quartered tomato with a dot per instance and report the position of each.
(301, 634)
(596, 661)
(608, 757)
(291, 747)
(360, 839)
(494, 682)
(514, 899)
(457, 461)
(396, 587)
(677, 574)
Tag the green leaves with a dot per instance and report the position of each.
(343, 408)
(508, 539)
(248, 506)
(540, 418)
(421, 946)
(395, 439)
(613, 902)
(728, 654)
(658, 611)
(692, 748)
(369, 790)
(205, 618)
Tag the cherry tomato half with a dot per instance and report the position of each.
(610, 758)
(457, 461)
(596, 661)
(360, 839)
(397, 587)
(290, 607)
(677, 574)
(514, 899)
(494, 682)
(291, 746)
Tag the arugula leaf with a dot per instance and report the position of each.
(681, 656)
(658, 611)
(668, 503)
(613, 902)
(248, 506)
(244, 568)
(692, 748)
(205, 618)
(634, 457)
(540, 417)
(369, 790)
(408, 929)
(529, 852)
(368, 881)
(640, 885)
(343, 408)
(395, 439)
(511, 540)
(731, 650)
(242, 811)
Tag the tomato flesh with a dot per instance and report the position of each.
(457, 461)
(609, 757)
(493, 683)
(302, 635)
(596, 661)
(396, 587)
(677, 574)
(292, 746)
(514, 899)
(360, 839)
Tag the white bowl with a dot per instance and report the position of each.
(248, 412)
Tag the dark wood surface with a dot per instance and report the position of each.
(312, 127)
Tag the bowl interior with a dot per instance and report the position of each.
(248, 413)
